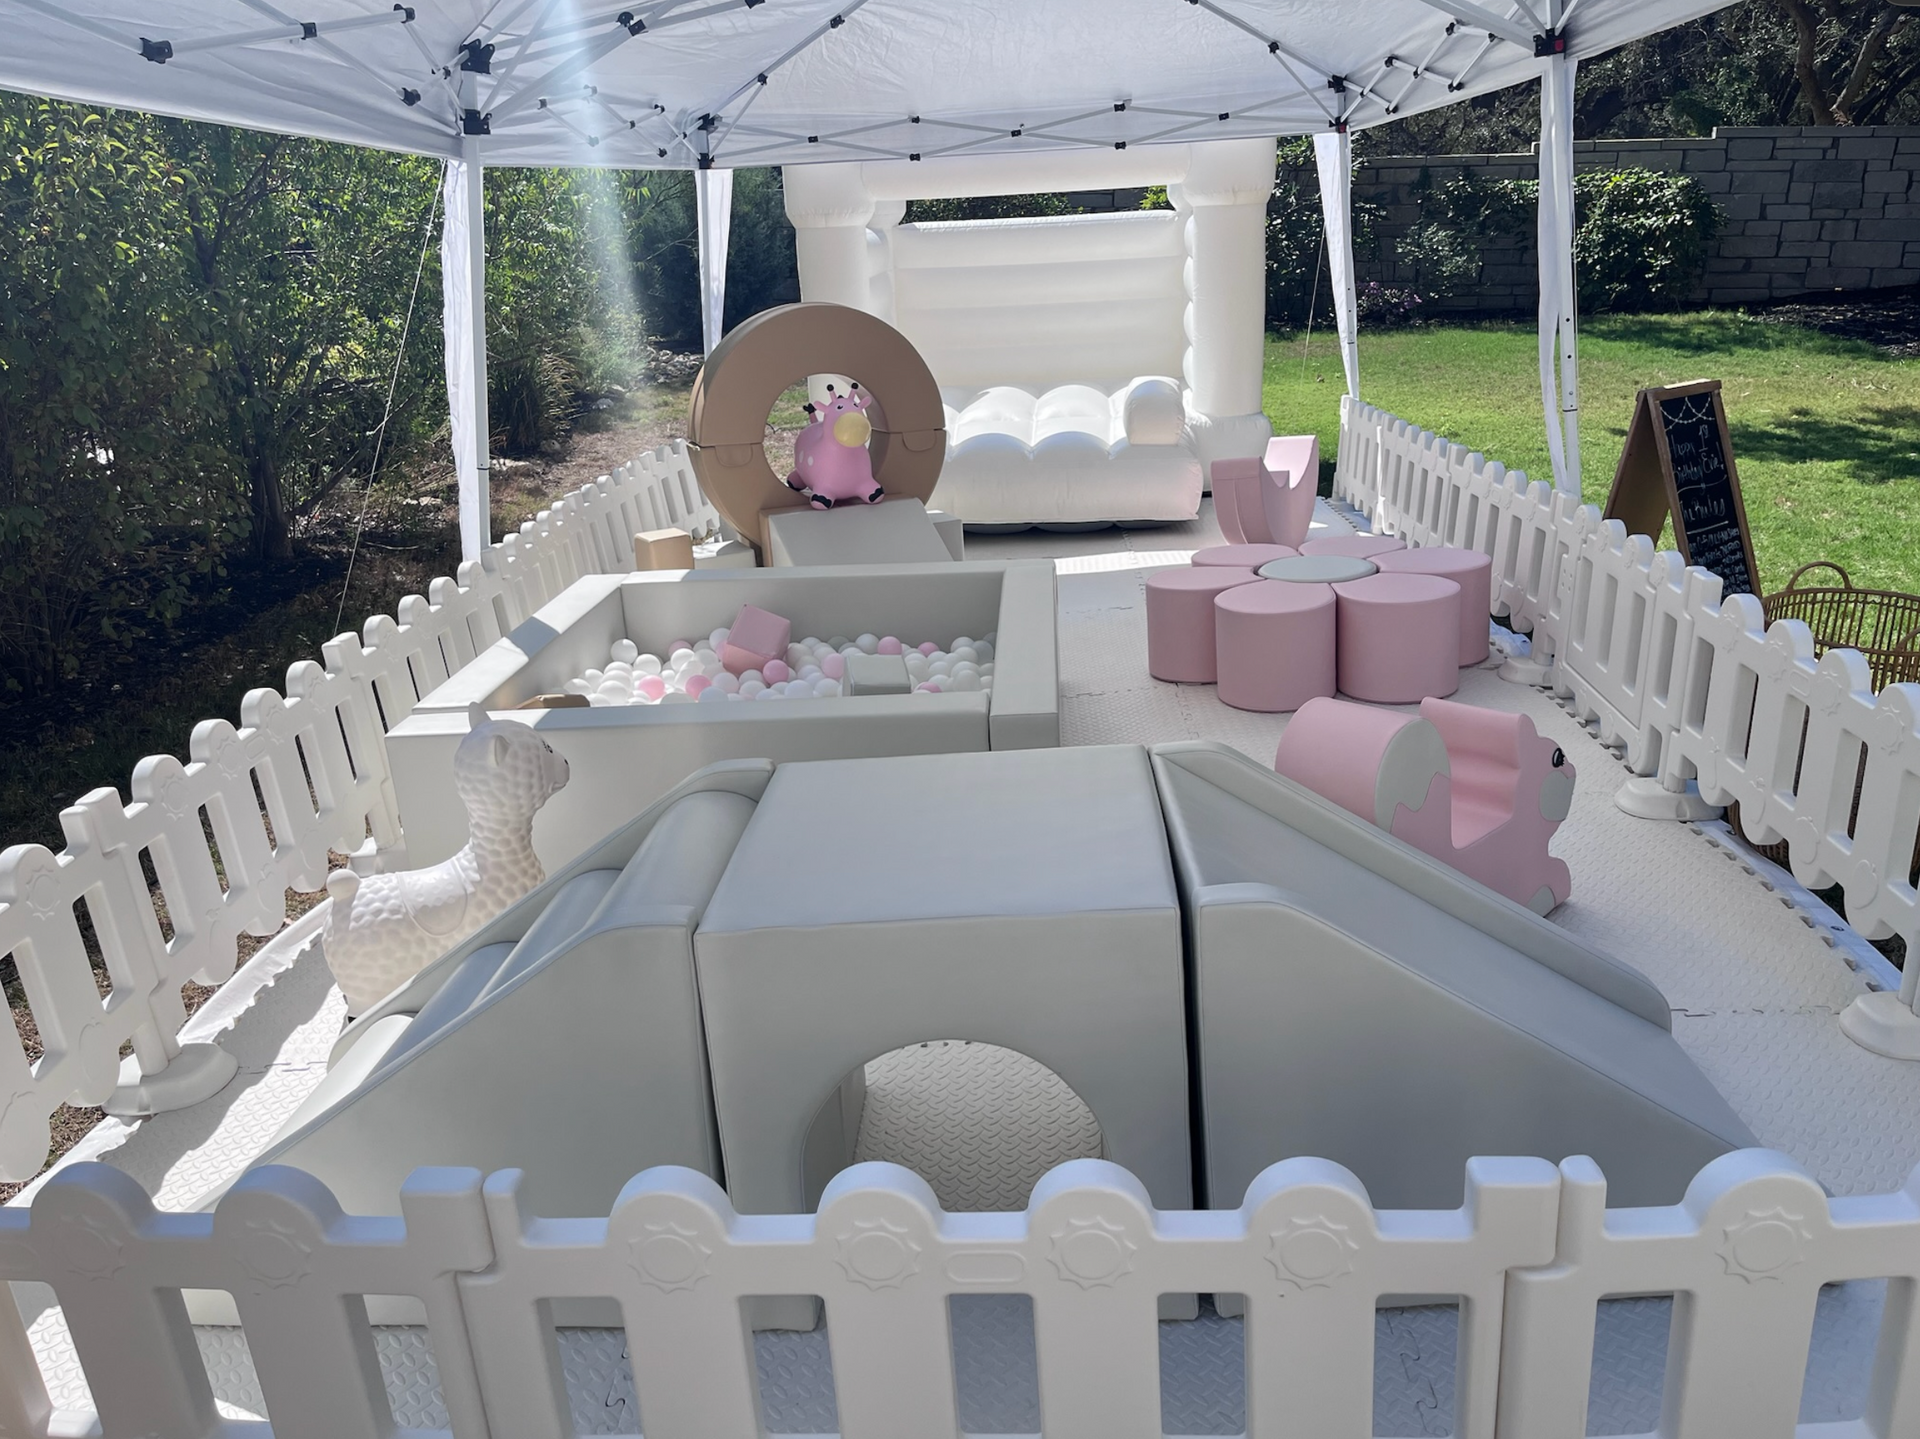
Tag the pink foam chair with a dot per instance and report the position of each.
(1480, 790)
(1236, 499)
(1275, 644)
(1399, 637)
(1289, 478)
(1180, 639)
(1469, 569)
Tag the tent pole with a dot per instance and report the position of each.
(713, 197)
(1333, 156)
(463, 293)
(1559, 365)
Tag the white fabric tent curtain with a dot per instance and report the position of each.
(463, 298)
(713, 201)
(1333, 156)
(1559, 371)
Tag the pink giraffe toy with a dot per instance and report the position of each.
(831, 463)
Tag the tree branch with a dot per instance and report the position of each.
(1872, 50)
(1806, 67)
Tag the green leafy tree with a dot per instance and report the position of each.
(303, 255)
(114, 495)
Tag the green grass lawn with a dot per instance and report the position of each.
(1826, 431)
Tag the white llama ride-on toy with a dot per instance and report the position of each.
(385, 928)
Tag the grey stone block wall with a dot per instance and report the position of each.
(1804, 210)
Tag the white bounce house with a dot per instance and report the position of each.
(1092, 366)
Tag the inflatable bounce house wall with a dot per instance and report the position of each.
(1092, 366)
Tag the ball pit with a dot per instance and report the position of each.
(812, 669)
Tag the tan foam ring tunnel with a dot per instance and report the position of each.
(736, 390)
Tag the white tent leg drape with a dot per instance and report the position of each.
(713, 199)
(1333, 156)
(463, 295)
(1559, 371)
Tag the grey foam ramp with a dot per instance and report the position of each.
(1401, 1027)
(575, 1055)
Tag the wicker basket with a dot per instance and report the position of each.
(1883, 625)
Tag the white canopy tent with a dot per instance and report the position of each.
(714, 84)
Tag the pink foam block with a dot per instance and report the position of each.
(754, 640)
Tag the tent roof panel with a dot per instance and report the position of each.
(573, 82)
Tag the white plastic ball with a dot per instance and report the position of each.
(750, 687)
(594, 677)
(726, 683)
(941, 667)
(964, 654)
(752, 677)
(713, 694)
(626, 651)
(647, 665)
(826, 689)
(966, 682)
(576, 687)
(809, 672)
(839, 642)
(868, 644)
(718, 637)
(983, 652)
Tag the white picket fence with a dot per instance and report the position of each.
(1690, 686)
(1527, 1259)
(255, 809)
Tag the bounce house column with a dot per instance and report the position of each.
(1226, 188)
(831, 209)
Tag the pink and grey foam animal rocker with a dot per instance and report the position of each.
(1477, 789)
(386, 928)
(831, 463)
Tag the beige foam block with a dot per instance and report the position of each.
(663, 550)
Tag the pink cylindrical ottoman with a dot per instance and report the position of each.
(1359, 547)
(1470, 570)
(1275, 644)
(1399, 637)
(1241, 557)
(1180, 644)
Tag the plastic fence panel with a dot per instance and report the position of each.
(296, 1268)
(1306, 1248)
(1745, 1254)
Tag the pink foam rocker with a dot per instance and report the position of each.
(1288, 480)
(754, 639)
(1477, 789)
(1236, 493)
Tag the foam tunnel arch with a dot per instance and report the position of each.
(745, 375)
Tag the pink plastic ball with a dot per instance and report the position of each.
(929, 648)
(775, 672)
(889, 645)
(677, 645)
(834, 667)
(652, 686)
(698, 686)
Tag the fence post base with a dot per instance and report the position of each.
(1884, 1024)
(1644, 797)
(199, 1071)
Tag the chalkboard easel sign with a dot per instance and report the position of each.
(1679, 462)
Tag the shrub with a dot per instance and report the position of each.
(1387, 307)
(1296, 257)
(1640, 238)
